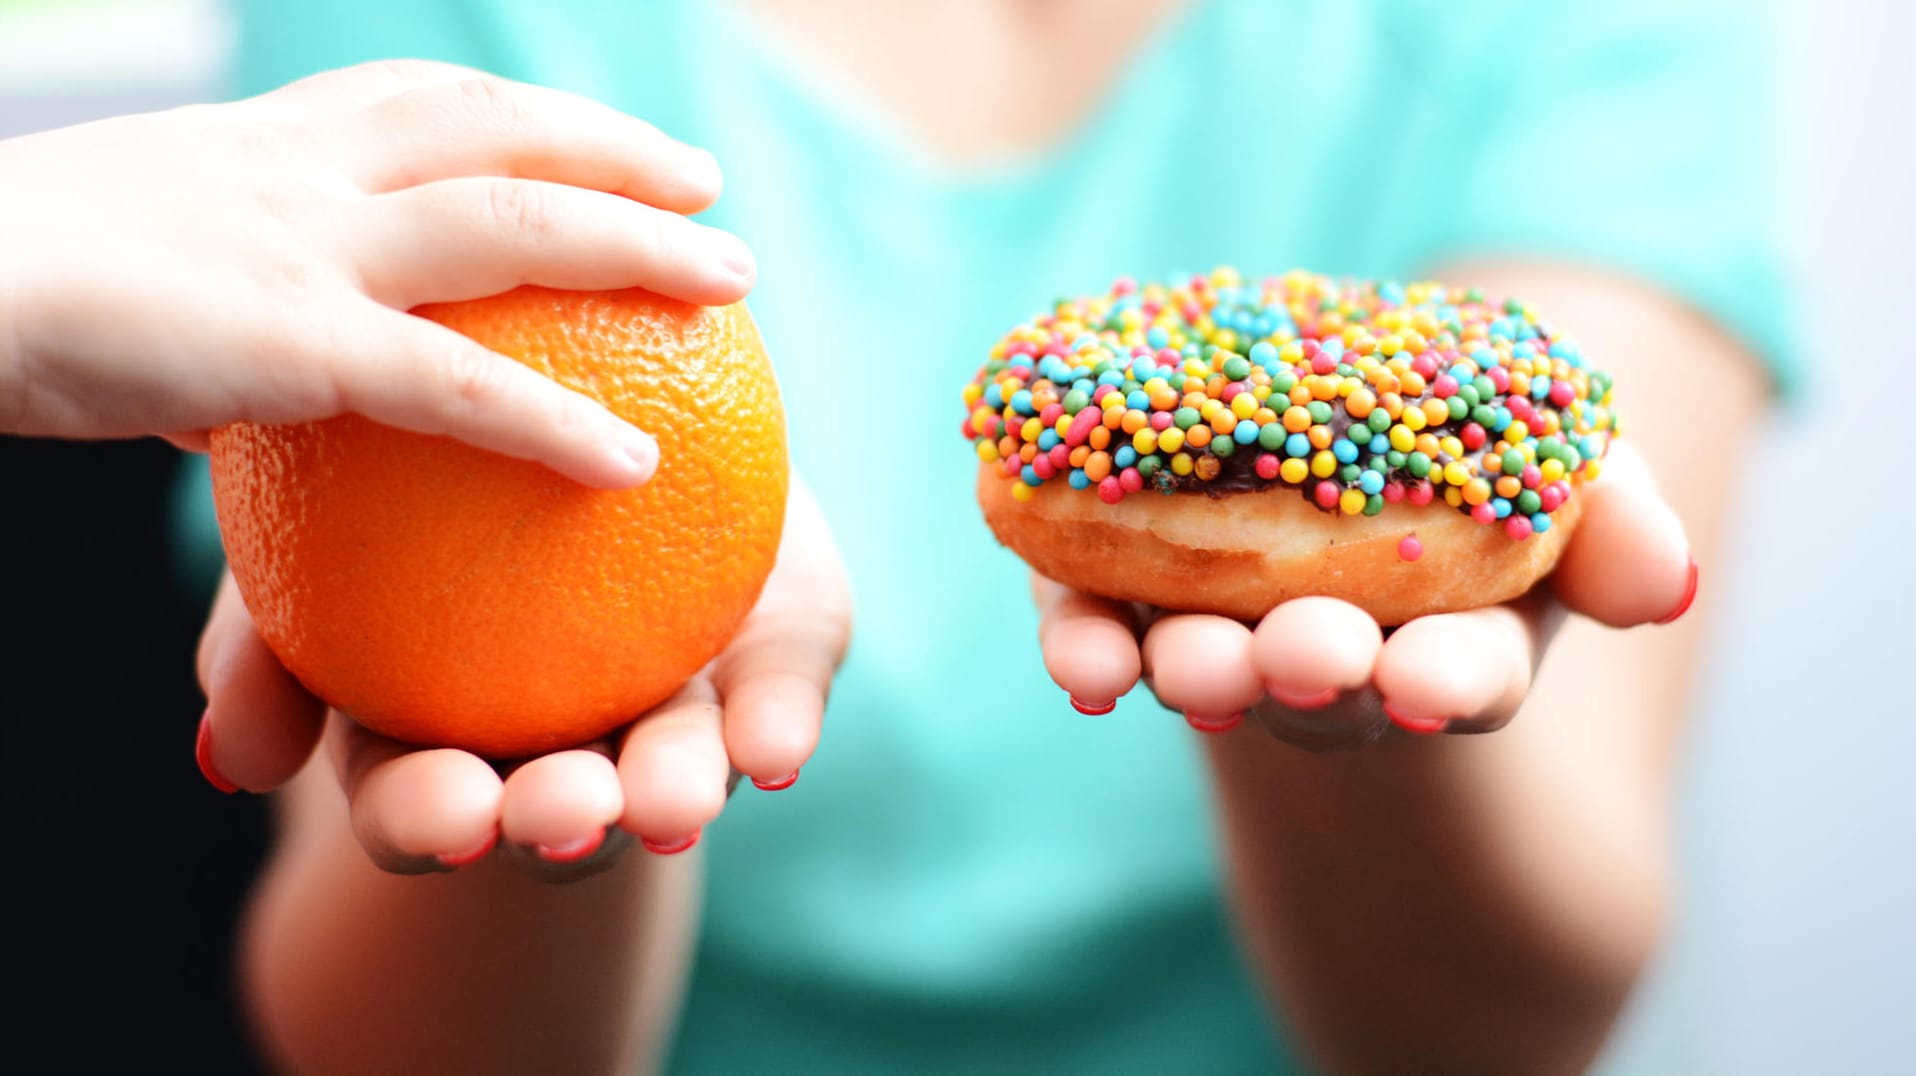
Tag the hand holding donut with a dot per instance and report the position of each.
(1317, 458)
(1321, 674)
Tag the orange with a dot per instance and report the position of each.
(447, 596)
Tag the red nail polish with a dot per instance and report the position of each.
(571, 851)
(1214, 724)
(1689, 595)
(203, 752)
(1094, 709)
(467, 859)
(669, 848)
(1303, 702)
(1419, 725)
(777, 784)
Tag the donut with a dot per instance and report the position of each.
(1211, 445)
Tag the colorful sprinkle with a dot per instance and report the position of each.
(1358, 394)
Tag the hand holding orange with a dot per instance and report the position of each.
(449, 597)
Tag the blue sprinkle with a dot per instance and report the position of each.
(994, 396)
(1124, 457)
(1111, 377)
(1370, 482)
(1539, 522)
(1138, 400)
(1463, 374)
(1245, 432)
(1500, 506)
(1021, 402)
(1078, 479)
(1157, 338)
(1539, 387)
(1344, 451)
(1047, 440)
(1263, 352)
(1379, 445)
(1502, 420)
(1030, 475)
(1297, 445)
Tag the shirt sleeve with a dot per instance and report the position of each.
(1636, 134)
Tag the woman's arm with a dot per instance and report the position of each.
(1485, 903)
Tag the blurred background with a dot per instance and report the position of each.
(1796, 947)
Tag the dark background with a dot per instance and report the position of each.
(127, 867)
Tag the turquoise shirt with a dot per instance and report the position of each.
(970, 876)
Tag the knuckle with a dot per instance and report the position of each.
(519, 208)
(493, 100)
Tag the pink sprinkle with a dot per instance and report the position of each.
(1130, 480)
(990, 428)
(1410, 548)
(1102, 391)
(1531, 476)
(1483, 513)
(1081, 426)
(1058, 348)
(1060, 457)
(1169, 356)
(1161, 420)
(1110, 490)
(965, 429)
(1267, 466)
(1425, 365)
(1022, 347)
(1499, 378)
(1322, 363)
(1472, 436)
(1013, 465)
(1561, 393)
(1326, 494)
(1550, 498)
(1041, 465)
(1125, 286)
(1422, 493)
(1232, 391)
(1049, 416)
(1393, 491)
(1445, 386)
(1517, 527)
(1310, 349)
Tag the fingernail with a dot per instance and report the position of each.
(1419, 725)
(777, 784)
(702, 169)
(1689, 595)
(1294, 701)
(639, 447)
(467, 859)
(1214, 724)
(670, 848)
(571, 851)
(731, 252)
(1095, 709)
(203, 751)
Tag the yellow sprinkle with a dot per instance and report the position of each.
(1181, 463)
(1244, 405)
(1021, 492)
(1455, 473)
(1551, 470)
(1453, 496)
(1402, 439)
(1171, 440)
(988, 452)
(1324, 464)
(1145, 441)
(1032, 428)
(1352, 501)
(1294, 471)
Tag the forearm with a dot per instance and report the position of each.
(1485, 903)
(351, 970)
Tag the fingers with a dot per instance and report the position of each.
(1203, 666)
(411, 373)
(415, 811)
(260, 724)
(486, 126)
(1628, 561)
(466, 238)
(362, 84)
(560, 814)
(1311, 650)
(673, 769)
(1090, 645)
(1464, 672)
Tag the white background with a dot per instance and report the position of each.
(1795, 951)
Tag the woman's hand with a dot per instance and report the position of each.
(755, 711)
(1319, 673)
(169, 273)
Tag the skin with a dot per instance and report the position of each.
(1413, 902)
